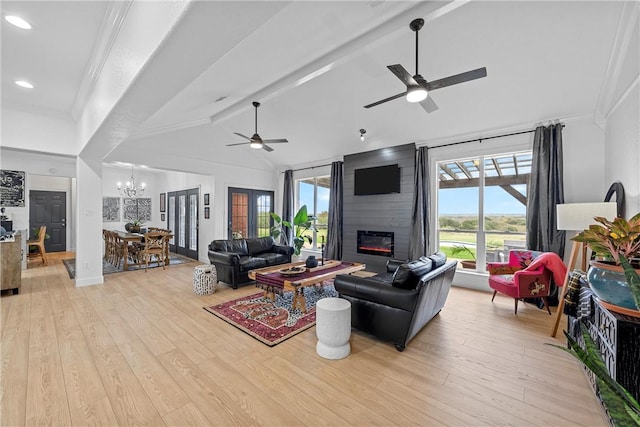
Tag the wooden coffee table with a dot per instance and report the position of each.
(272, 281)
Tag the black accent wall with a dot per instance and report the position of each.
(379, 212)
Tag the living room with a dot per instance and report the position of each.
(582, 71)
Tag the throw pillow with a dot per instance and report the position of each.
(408, 274)
(439, 259)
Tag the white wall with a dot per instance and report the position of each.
(47, 133)
(622, 132)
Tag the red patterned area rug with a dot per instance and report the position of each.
(272, 322)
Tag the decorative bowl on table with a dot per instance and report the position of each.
(293, 271)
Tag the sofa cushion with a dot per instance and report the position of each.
(250, 263)
(259, 245)
(408, 274)
(238, 246)
(272, 258)
(218, 246)
(439, 259)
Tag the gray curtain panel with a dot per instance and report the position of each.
(546, 190)
(334, 233)
(419, 234)
(287, 205)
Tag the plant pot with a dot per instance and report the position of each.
(468, 264)
(609, 284)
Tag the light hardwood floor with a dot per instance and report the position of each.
(140, 350)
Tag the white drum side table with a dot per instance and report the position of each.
(333, 328)
(205, 278)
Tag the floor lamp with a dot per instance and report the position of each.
(578, 217)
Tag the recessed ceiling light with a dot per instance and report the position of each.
(18, 22)
(24, 84)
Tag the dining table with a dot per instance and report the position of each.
(129, 238)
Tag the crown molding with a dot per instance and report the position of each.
(110, 27)
(628, 18)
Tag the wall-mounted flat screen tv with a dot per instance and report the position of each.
(378, 180)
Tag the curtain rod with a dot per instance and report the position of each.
(483, 139)
(309, 167)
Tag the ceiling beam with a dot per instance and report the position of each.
(428, 10)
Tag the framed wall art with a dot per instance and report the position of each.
(136, 209)
(12, 188)
(206, 199)
(206, 212)
(110, 209)
(163, 202)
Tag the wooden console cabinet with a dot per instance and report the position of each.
(11, 256)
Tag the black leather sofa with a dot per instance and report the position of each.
(234, 258)
(395, 306)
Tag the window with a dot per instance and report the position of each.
(314, 192)
(482, 204)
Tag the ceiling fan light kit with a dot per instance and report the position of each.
(418, 88)
(416, 94)
(256, 141)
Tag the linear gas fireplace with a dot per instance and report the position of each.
(375, 243)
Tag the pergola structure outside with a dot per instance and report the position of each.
(504, 171)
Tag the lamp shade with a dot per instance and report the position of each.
(579, 216)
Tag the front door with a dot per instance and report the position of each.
(182, 211)
(49, 208)
(249, 213)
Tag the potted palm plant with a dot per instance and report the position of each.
(302, 223)
(613, 277)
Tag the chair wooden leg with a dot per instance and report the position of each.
(516, 307)
(494, 295)
(546, 304)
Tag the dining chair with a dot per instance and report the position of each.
(39, 243)
(155, 243)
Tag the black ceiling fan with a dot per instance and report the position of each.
(255, 141)
(417, 87)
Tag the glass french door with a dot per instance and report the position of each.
(249, 213)
(182, 219)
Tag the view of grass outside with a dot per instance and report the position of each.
(458, 235)
(501, 206)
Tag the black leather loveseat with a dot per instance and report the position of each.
(234, 258)
(395, 306)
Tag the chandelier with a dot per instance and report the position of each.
(131, 189)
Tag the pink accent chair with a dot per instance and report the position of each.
(515, 279)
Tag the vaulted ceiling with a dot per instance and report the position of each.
(314, 64)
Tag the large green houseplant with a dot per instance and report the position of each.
(621, 406)
(618, 242)
(302, 223)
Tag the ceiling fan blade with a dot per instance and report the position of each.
(275, 141)
(239, 143)
(265, 147)
(391, 98)
(402, 74)
(429, 104)
(458, 78)
(243, 136)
